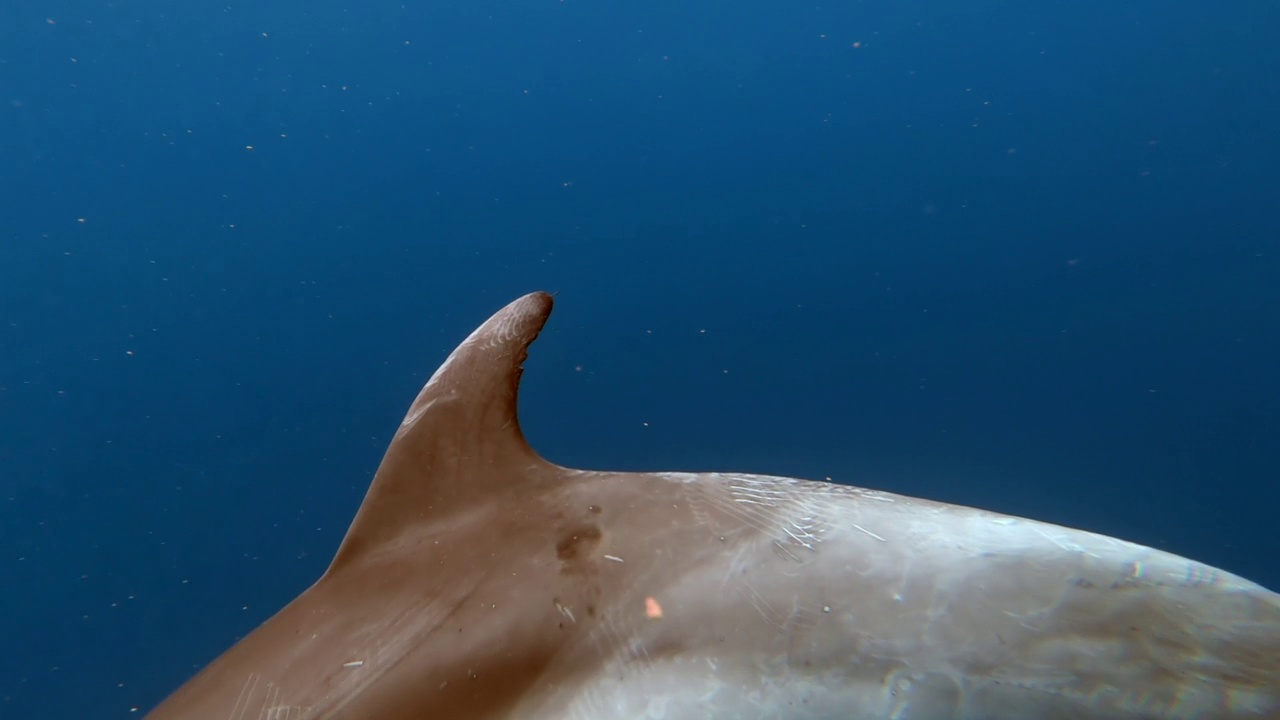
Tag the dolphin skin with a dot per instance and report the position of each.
(480, 581)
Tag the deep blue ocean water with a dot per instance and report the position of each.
(1024, 256)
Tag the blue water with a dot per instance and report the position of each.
(1024, 256)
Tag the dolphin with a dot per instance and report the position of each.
(479, 581)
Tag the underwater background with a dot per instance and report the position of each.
(1017, 255)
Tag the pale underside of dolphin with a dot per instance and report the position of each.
(480, 581)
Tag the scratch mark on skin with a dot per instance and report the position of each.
(614, 558)
(567, 613)
(801, 532)
(761, 605)
(1068, 546)
(242, 700)
(271, 706)
(270, 703)
(862, 529)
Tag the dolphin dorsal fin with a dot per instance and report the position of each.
(461, 439)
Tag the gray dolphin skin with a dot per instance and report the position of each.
(480, 581)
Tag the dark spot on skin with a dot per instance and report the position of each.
(577, 542)
(591, 611)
